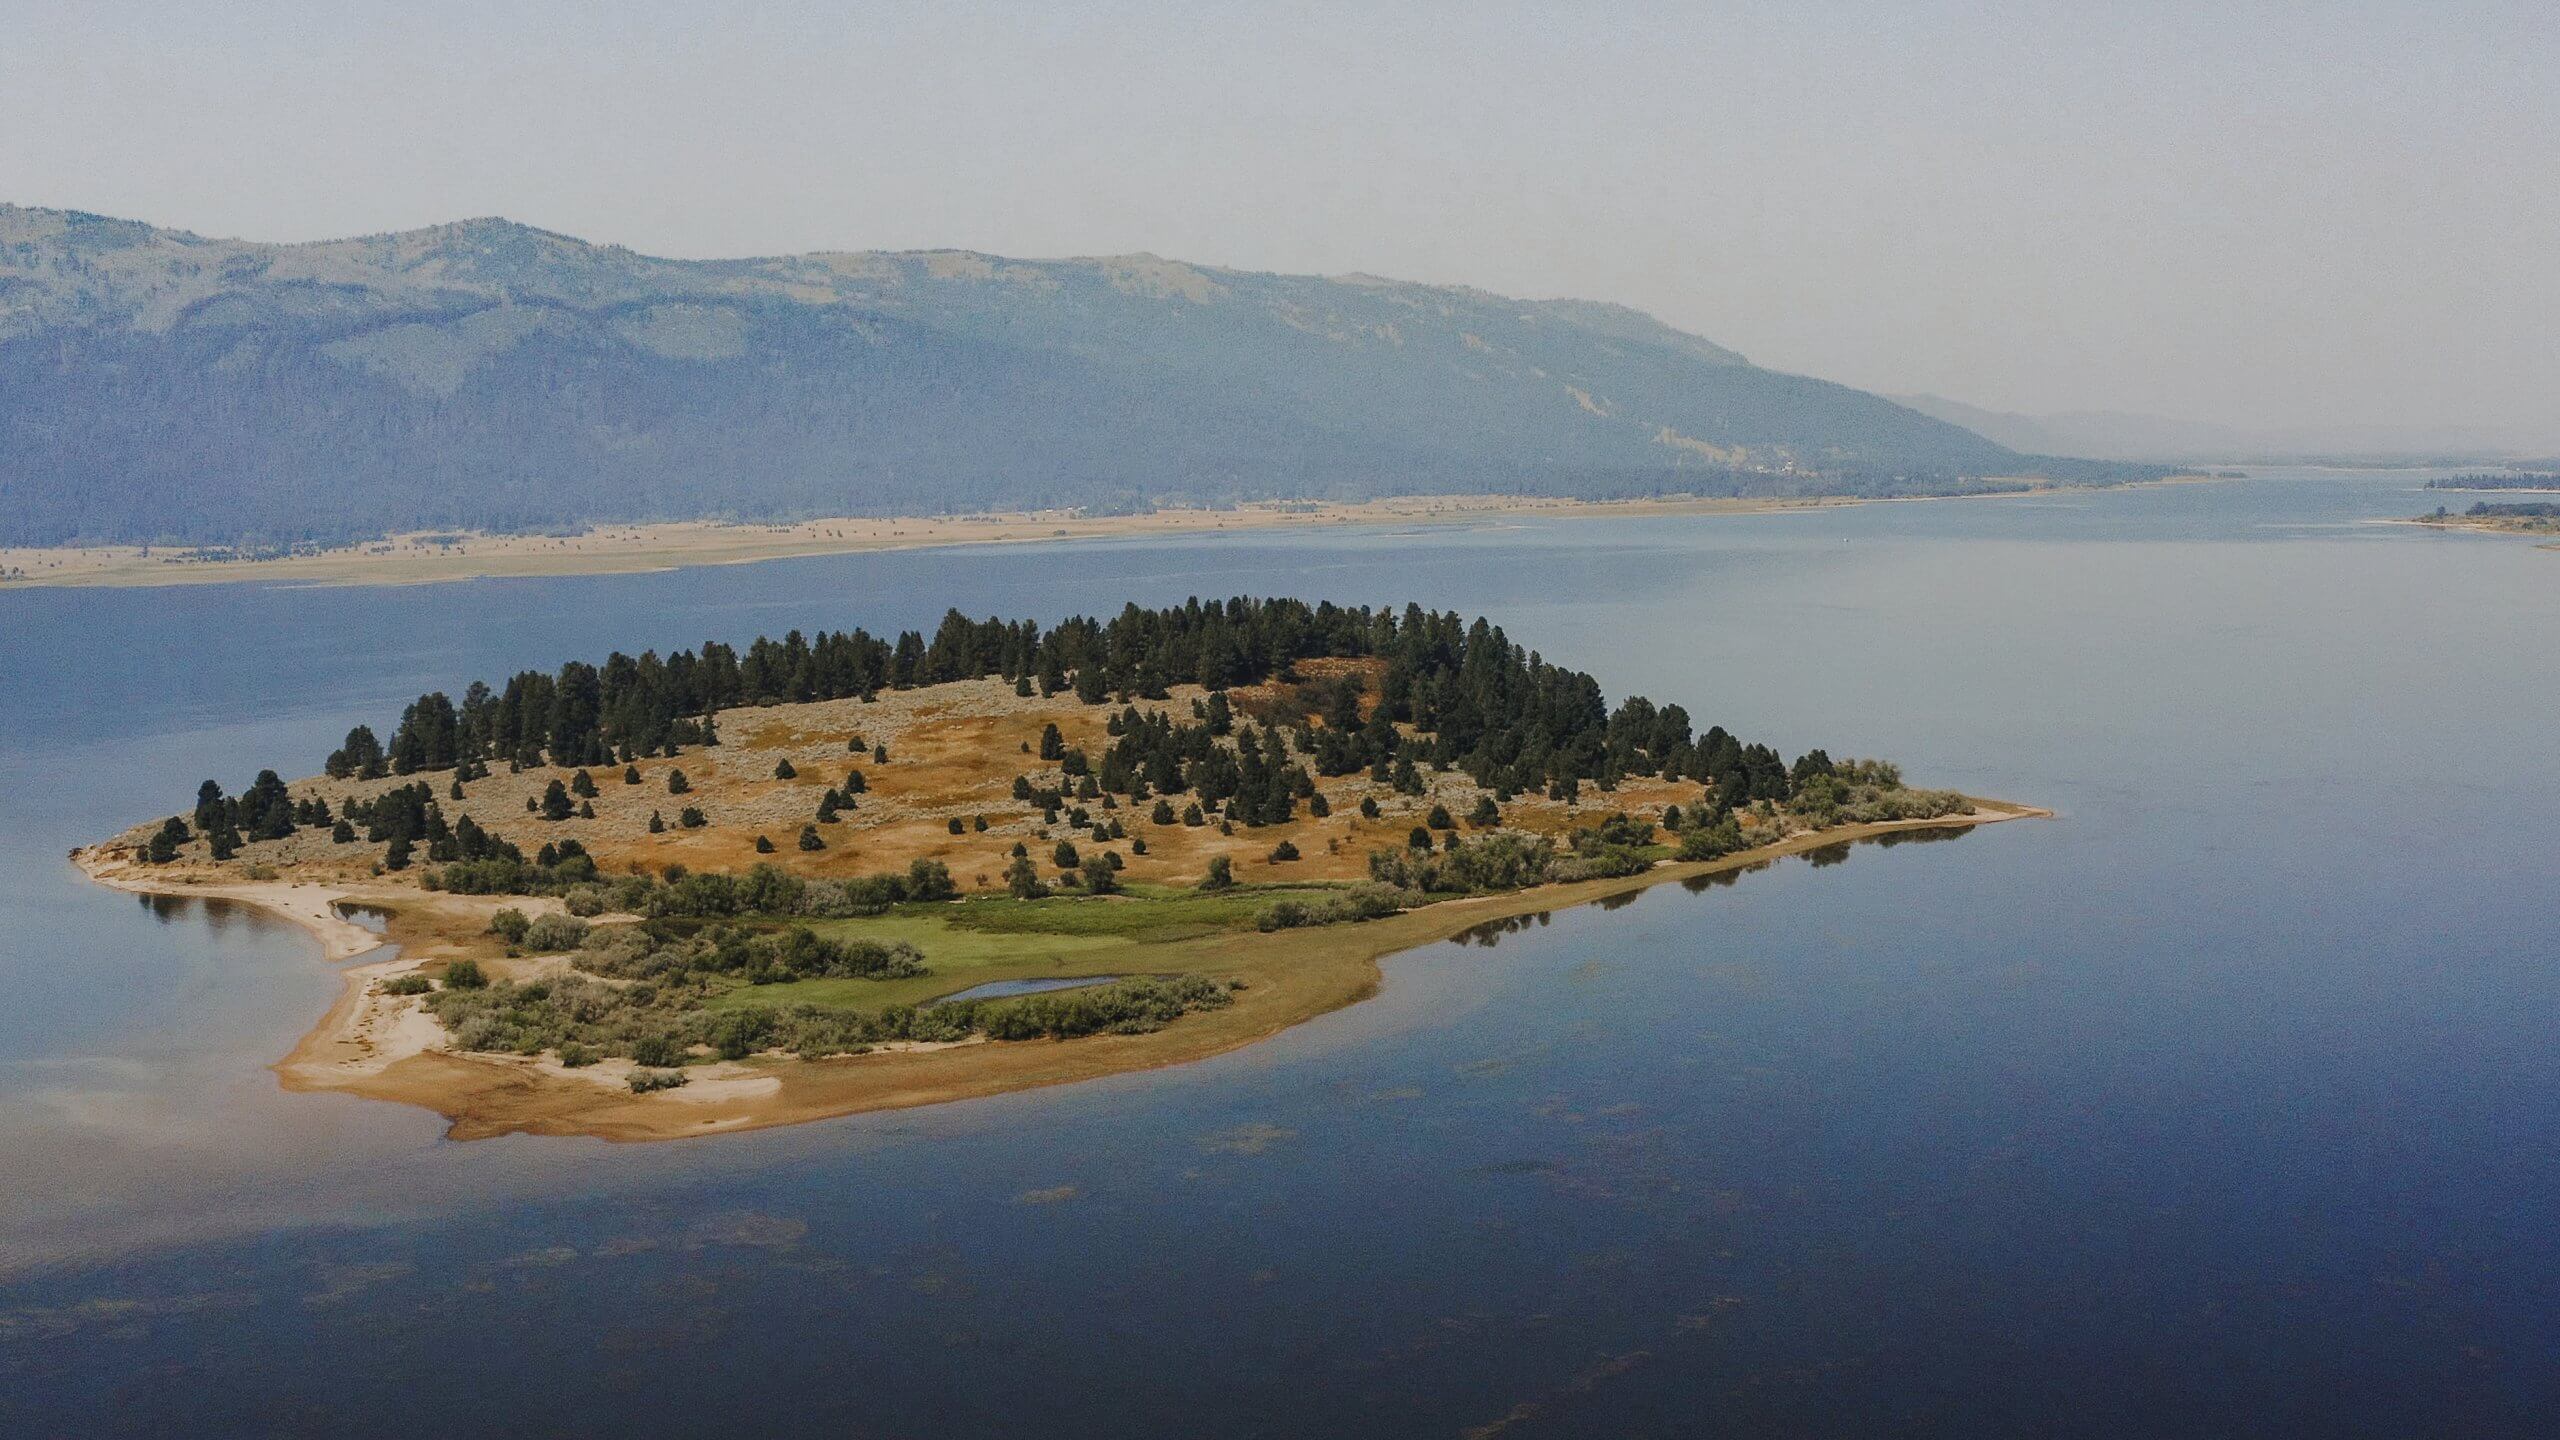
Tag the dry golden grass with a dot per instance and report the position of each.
(954, 751)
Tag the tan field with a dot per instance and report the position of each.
(428, 558)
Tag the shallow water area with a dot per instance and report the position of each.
(2219, 1104)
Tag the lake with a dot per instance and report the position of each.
(2225, 1103)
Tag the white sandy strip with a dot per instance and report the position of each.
(313, 907)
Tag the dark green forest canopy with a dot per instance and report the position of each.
(1450, 693)
(2499, 480)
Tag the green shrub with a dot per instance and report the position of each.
(554, 933)
(657, 1051)
(465, 975)
(509, 925)
(645, 1082)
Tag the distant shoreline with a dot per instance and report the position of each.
(426, 558)
(2508, 526)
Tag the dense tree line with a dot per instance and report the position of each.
(2499, 480)
(1451, 694)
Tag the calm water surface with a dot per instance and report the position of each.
(2229, 1103)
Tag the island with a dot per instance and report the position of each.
(737, 887)
(2518, 517)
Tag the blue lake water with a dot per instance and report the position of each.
(2227, 1103)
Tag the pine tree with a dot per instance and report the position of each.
(630, 774)
(1221, 876)
(555, 802)
(783, 770)
(583, 785)
(764, 845)
(657, 823)
(676, 783)
(1023, 879)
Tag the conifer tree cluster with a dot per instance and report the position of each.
(1500, 712)
(1450, 694)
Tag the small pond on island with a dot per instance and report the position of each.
(1001, 989)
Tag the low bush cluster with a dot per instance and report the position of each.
(660, 1024)
(1360, 902)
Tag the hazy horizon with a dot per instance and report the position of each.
(2267, 217)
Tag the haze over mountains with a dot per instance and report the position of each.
(2125, 435)
(160, 386)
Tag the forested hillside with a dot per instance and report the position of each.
(161, 386)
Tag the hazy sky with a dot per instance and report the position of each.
(2258, 214)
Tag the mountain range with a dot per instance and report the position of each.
(157, 385)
